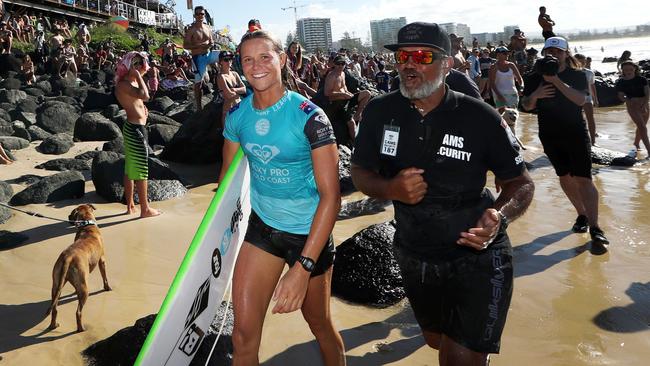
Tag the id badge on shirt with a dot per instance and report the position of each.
(390, 139)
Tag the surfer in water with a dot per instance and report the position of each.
(295, 197)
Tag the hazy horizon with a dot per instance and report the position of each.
(354, 17)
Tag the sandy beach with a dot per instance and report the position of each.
(570, 307)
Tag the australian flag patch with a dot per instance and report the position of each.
(307, 106)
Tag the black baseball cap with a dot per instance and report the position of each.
(422, 34)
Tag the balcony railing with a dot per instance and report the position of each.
(149, 16)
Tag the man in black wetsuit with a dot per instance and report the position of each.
(558, 97)
(428, 149)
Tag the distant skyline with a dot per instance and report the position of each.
(354, 16)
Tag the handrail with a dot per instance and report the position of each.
(121, 8)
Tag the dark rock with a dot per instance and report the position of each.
(182, 112)
(13, 143)
(59, 84)
(198, 141)
(120, 118)
(122, 348)
(8, 239)
(604, 156)
(33, 91)
(116, 145)
(27, 179)
(65, 99)
(176, 94)
(60, 186)
(9, 63)
(5, 215)
(27, 105)
(85, 76)
(6, 128)
(108, 175)
(65, 164)
(93, 126)
(79, 93)
(4, 114)
(607, 94)
(345, 178)
(98, 99)
(57, 117)
(12, 96)
(162, 190)
(5, 191)
(29, 119)
(161, 134)
(21, 131)
(88, 155)
(157, 119)
(111, 111)
(160, 104)
(45, 86)
(10, 84)
(367, 206)
(56, 144)
(365, 270)
(37, 133)
(98, 76)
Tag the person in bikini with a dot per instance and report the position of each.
(131, 91)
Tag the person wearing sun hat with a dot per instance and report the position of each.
(557, 90)
(428, 148)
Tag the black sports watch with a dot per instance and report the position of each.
(307, 263)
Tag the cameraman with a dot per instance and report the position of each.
(556, 89)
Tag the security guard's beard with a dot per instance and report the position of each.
(423, 91)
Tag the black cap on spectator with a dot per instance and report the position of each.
(422, 34)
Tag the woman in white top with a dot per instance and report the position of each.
(504, 77)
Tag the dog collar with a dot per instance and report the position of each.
(85, 223)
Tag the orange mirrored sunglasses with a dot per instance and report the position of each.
(419, 57)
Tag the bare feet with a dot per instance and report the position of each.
(150, 212)
(6, 161)
(130, 210)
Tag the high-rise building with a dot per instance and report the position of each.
(385, 31)
(509, 30)
(459, 29)
(484, 38)
(315, 33)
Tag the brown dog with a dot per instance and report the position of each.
(77, 261)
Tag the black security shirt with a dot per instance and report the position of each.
(633, 88)
(558, 115)
(456, 144)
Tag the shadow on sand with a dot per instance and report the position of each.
(364, 335)
(18, 319)
(631, 318)
(527, 263)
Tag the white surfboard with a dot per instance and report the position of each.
(199, 286)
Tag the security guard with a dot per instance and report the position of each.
(428, 149)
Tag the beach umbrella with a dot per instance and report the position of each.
(120, 21)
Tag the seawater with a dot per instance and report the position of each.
(612, 47)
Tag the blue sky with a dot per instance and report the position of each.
(354, 16)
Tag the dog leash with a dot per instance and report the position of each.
(77, 223)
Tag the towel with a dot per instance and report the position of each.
(125, 65)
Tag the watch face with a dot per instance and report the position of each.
(307, 263)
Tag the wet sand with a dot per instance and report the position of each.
(570, 307)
